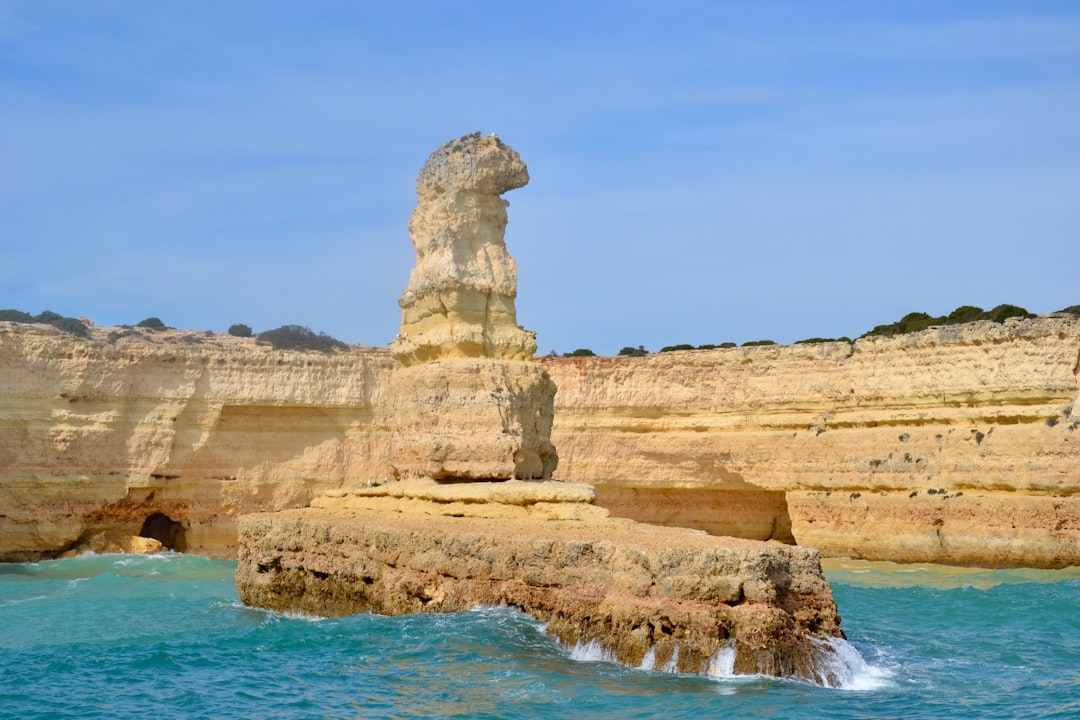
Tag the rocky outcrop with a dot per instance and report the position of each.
(468, 402)
(470, 417)
(956, 445)
(663, 598)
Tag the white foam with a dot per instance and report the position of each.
(722, 664)
(591, 651)
(649, 661)
(842, 666)
(838, 665)
(672, 665)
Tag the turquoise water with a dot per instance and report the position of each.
(157, 637)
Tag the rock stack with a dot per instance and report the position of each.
(468, 402)
(472, 517)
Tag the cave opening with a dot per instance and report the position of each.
(165, 530)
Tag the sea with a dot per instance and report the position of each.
(165, 636)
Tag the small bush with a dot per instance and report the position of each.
(240, 330)
(639, 351)
(1071, 310)
(676, 348)
(810, 341)
(151, 323)
(756, 343)
(580, 352)
(298, 337)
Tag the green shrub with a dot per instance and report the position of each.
(1072, 310)
(151, 323)
(298, 337)
(580, 352)
(240, 330)
(964, 314)
(1003, 312)
(16, 316)
(639, 351)
(676, 348)
(756, 343)
(71, 325)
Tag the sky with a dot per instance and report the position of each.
(702, 172)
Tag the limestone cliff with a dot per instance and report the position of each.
(180, 430)
(957, 445)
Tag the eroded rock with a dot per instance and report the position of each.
(460, 298)
(639, 594)
(467, 402)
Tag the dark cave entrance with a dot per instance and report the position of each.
(165, 530)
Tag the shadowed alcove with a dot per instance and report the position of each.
(164, 529)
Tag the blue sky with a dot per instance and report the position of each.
(702, 172)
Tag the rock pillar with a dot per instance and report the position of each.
(467, 402)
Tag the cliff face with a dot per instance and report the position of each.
(179, 429)
(956, 445)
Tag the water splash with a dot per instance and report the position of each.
(840, 665)
(722, 664)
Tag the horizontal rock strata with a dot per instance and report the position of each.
(957, 445)
(665, 597)
(471, 419)
(99, 436)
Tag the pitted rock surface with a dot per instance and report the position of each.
(460, 299)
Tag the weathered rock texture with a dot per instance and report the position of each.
(174, 434)
(838, 446)
(660, 597)
(471, 420)
(955, 445)
(468, 402)
(460, 298)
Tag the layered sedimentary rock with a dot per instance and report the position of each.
(468, 402)
(957, 445)
(460, 420)
(664, 598)
(173, 434)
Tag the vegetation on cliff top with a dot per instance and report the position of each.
(298, 337)
(58, 321)
(916, 321)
